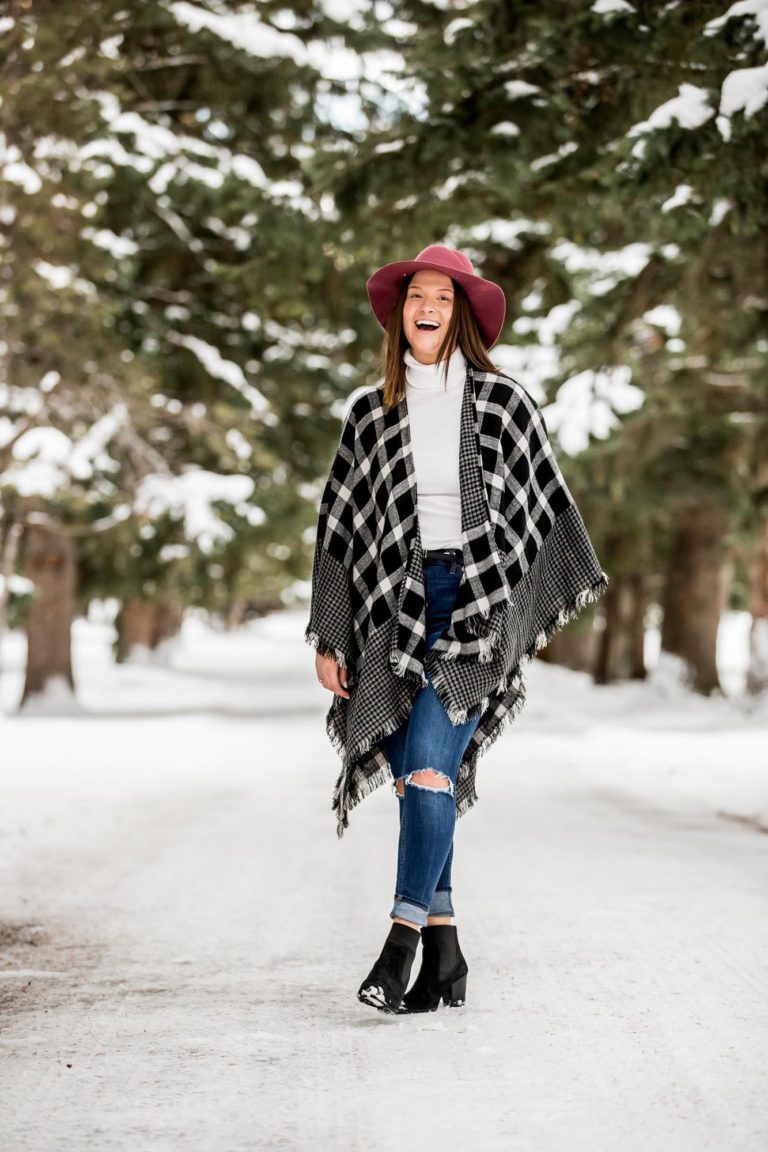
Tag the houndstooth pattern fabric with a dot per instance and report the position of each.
(529, 568)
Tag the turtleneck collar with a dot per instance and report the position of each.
(431, 377)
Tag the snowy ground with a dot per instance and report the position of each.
(183, 934)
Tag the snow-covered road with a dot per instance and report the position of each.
(183, 934)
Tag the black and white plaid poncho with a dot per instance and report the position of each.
(529, 568)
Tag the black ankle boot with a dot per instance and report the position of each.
(386, 982)
(443, 972)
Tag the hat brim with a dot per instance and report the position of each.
(486, 298)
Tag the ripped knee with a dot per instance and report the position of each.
(399, 786)
(430, 779)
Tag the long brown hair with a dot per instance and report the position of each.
(462, 331)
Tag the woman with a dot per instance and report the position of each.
(424, 611)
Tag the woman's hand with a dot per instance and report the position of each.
(331, 675)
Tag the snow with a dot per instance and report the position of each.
(45, 460)
(755, 8)
(288, 341)
(537, 361)
(346, 11)
(499, 231)
(529, 364)
(666, 317)
(59, 276)
(329, 55)
(388, 146)
(745, 90)
(168, 156)
(587, 403)
(110, 48)
(39, 466)
(155, 141)
(683, 194)
(183, 934)
(608, 267)
(89, 451)
(15, 170)
(689, 109)
(556, 321)
(552, 157)
(222, 369)
(49, 380)
(244, 31)
(446, 190)
(505, 128)
(453, 30)
(720, 209)
(17, 585)
(116, 154)
(235, 440)
(120, 246)
(191, 495)
(610, 7)
(516, 89)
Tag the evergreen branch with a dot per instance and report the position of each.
(170, 62)
(164, 106)
(6, 450)
(73, 531)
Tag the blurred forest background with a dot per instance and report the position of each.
(193, 196)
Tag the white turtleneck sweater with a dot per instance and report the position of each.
(434, 416)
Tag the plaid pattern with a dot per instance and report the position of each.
(529, 568)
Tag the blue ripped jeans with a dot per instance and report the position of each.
(427, 739)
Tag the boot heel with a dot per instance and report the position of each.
(443, 973)
(456, 993)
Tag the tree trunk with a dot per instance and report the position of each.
(167, 620)
(621, 648)
(50, 565)
(639, 584)
(696, 592)
(145, 624)
(236, 613)
(571, 648)
(10, 539)
(757, 672)
(134, 627)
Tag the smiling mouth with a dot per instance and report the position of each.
(427, 325)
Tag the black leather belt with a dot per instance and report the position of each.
(443, 554)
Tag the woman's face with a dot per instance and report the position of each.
(426, 313)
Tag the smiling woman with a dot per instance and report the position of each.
(449, 551)
(427, 312)
(429, 307)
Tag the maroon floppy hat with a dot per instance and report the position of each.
(487, 299)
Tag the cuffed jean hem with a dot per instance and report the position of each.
(405, 910)
(441, 906)
(441, 903)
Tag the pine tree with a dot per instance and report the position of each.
(607, 165)
(164, 296)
